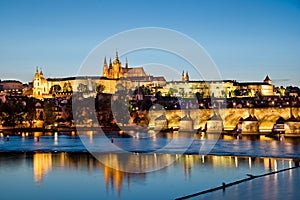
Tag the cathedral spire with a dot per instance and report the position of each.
(117, 55)
(187, 78)
(105, 68)
(182, 76)
(105, 61)
(110, 65)
(126, 63)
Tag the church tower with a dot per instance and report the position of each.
(116, 67)
(105, 68)
(182, 76)
(187, 78)
(41, 74)
(40, 85)
(268, 80)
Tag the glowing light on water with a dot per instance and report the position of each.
(91, 136)
(250, 162)
(55, 138)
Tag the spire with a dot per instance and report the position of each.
(268, 80)
(110, 65)
(105, 68)
(36, 75)
(105, 61)
(187, 78)
(126, 63)
(182, 76)
(41, 74)
(117, 56)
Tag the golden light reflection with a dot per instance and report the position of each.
(115, 179)
(55, 138)
(236, 161)
(250, 162)
(263, 137)
(37, 134)
(91, 136)
(270, 164)
(42, 164)
(222, 161)
(135, 162)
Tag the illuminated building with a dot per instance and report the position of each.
(112, 75)
(219, 88)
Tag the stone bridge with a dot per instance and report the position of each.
(266, 116)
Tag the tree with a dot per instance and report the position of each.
(30, 111)
(54, 89)
(67, 87)
(82, 87)
(100, 88)
(237, 92)
(158, 95)
(120, 87)
(223, 93)
(68, 111)
(120, 107)
(280, 90)
(49, 115)
(172, 91)
(12, 113)
(291, 89)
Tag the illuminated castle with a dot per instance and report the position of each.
(115, 70)
(112, 74)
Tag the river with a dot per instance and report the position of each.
(68, 166)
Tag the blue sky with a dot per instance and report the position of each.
(246, 39)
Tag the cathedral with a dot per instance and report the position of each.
(115, 70)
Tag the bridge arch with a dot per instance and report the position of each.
(267, 122)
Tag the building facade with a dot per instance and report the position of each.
(112, 75)
(218, 88)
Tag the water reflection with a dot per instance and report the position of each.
(114, 179)
(198, 171)
(42, 164)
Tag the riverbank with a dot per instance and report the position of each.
(116, 130)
